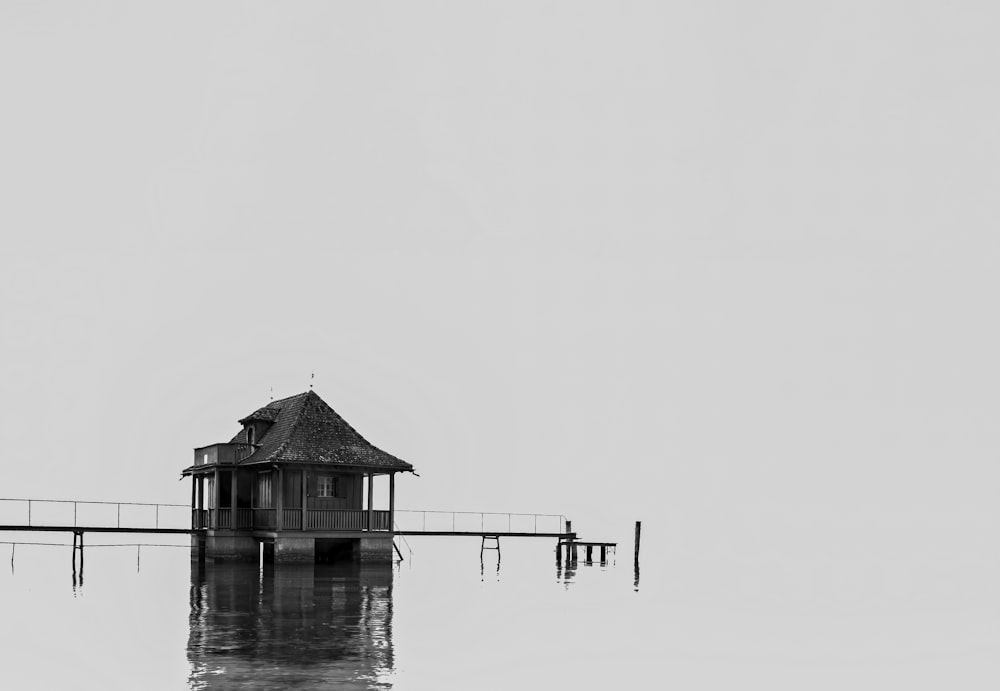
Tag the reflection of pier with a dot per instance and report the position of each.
(278, 627)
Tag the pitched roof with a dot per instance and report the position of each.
(306, 430)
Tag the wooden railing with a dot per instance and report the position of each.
(244, 518)
(291, 519)
(265, 519)
(324, 519)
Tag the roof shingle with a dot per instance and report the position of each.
(307, 430)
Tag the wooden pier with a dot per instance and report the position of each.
(490, 527)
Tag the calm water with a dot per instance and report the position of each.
(441, 619)
(793, 619)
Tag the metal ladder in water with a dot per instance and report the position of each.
(496, 545)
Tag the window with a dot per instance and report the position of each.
(251, 437)
(327, 486)
(263, 498)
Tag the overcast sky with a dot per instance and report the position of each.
(727, 267)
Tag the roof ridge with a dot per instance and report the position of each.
(295, 425)
(344, 420)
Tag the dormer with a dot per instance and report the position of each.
(255, 426)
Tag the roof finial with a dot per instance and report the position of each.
(272, 393)
(311, 377)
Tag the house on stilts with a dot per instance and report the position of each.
(296, 482)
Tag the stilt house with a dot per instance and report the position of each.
(297, 481)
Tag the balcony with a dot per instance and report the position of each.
(266, 519)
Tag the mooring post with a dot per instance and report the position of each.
(570, 548)
(638, 530)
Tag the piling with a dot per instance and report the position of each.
(638, 530)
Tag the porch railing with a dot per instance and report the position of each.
(292, 519)
(328, 519)
(265, 519)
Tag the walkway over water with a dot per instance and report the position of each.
(133, 517)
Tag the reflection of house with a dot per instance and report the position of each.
(299, 480)
(306, 625)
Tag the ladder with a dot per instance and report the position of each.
(495, 545)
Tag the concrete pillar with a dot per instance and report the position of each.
(230, 547)
(294, 550)
(376, 549)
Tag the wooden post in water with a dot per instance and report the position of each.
(638, 530)
(569, 541)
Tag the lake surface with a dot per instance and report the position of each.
(794, 619)
(147, 618)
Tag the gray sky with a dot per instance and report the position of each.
(726, 267)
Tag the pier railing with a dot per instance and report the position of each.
(479, 522)
(95, 514)
(137, 515)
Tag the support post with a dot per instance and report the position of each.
(201, 501)
(638, 530)
(604, 553)
(232, 500)
(392, 502)
(371, 496)
(279, 501)
(213, 501)
(304, 498)
(590, 553)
